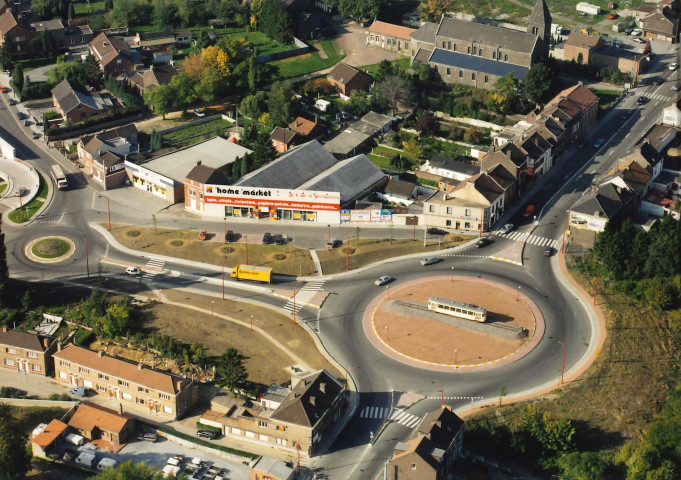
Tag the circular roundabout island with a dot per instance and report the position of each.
(50, 249)
(407, 323)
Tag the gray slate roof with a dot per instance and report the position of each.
(346, 141)
(378, 119)
(28, 341)
(208, 175)
(350, 177)
(423, 55)
(487, 34)
(69, 98)
(439, 161)
(426, 33)
(299, 409)
(292, 169)
(604, 202)
(477, 64)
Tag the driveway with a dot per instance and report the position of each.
(38, 74)
(351, 38)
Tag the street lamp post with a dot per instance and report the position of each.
(294, 306)
(452, 279)
(456, 350)
(562, 372)
(246, 238)
(223, 278)
(517, 298)
(251, 323)
(329, 229)
(347, 249)
(387, 334)
(108, 208)
(87, 259)
(212, 304)
(346, 375)
(388, 289)
(442, 394)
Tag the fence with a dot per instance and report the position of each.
(294, 52)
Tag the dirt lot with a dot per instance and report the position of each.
(265, 362)
(185, 244)
(441, 343)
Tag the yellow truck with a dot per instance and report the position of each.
(251, 272)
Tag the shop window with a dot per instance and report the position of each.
(467, 225)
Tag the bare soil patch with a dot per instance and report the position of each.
(437, 342)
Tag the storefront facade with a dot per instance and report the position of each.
(271, 203)
(154, 183)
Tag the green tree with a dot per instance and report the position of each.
(132, 12)
(275, 22)
(108, 5)
(254, 74)
(583, 466)
(253, 105)
(537, 83)
(245, 165)
(7, 53)
(279, 103)
(230, 370)
(359, 9)
(130, 471)
(263, 150)
(203, 40)
(165, 12)
(185, 90)
(359, 104)
(26, 301)
(393, 90)
(18, 77)
(14, 458)
(209, 87)
(160, 99)
(187, 12)
(4, 271)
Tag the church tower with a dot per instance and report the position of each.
(539, 24)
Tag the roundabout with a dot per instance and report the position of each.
(398, 324)
(52, 249)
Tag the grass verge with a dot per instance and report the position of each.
(402, 64)
(606, 97)
(32, 207)
(198, 132)
(50, 248)
(3, 187)
(365, 251)
(85, 8)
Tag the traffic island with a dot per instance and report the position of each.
(49, 249)
(395, 325)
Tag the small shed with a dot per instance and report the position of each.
(322, 105)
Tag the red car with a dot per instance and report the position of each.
(529, 210)
(202, 235)
(612, 16)
(4, 89)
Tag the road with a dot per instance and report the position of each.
(375, 375)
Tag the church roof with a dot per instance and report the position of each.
(540, 14)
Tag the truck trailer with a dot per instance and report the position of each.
(588, 8)
(251, 272)
(59, 177)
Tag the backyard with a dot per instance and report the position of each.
(308, 63)
(196, 133)
(86, 8)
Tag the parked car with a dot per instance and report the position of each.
(676, 87)
(636, 32)
(436, 231)
(266, 239)
(199, 113)
(333, 243)
(383, 280)
(4, 89)
(78, 391)
(279, 240)
(209, 434)
(599, 142)
(483, 242)
(506, 228)
(203, 235)
(150, 437)
(11, 101)
(35, 135)
(27, 122)
(20, 115)
(133, 271)
(627, 31)
(641, 100)
(229, 236)
(673, 66)
(529, 210)
(429, 261)
(612, 16)
(548, 251)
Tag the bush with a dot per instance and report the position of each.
(177, 243)
(33, 91)
(83, 337)
(227, 250)
(133, 233)
(279, 256)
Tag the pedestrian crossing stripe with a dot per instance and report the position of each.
(529, 238)
(374, 412)
(397, 416)
(313, 285)
(406, 419)
(657, 96)
(154, 263)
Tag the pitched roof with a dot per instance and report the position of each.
(423, 55)
(69, 97)
(25, 340)
(660, 22)
(477, 64)
(391, 30)
(157, 35)
(343, 73)
(108, 159)
(208, 175)
(535, 145)
(426, 33)
(582, 40)
(302, 125)
(283, 135)
(578, 95)
(48, 25)
(486, 34)
(502, 176)
(486, 186)
(50, 433)
(309, 399)
(439, 161)
(603, 202)
(7, 22)
(423, 448)
(378, 119)
(107, 48)
(292, 169)
(120, 368)
(91, 143)
(540, 13)
(345, 142)
(441, 426)
(399, 187)
(88, 416)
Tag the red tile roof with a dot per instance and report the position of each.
(391, 30)
(88, 416)
(50, 434)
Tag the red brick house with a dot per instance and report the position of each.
(346, 79)
(114, 55)
(18, 31)
(283, 139)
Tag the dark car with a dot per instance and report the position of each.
(229, 236)
(641, 100)
(279, 240)
(266, 239)
(209, 434)
(548, 251)
(483, 242)
(625, 114)
(436, 231)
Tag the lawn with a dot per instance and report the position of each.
(606, 97)
(304, 64)
(3, 187)
(364, 251)
(204, 129)
(85, 8)
(402, 64)
(31, 207)
(260, 41)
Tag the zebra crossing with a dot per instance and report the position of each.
(306, 292)
(314, 285)
(154, 263)
(529, 238)
(657, 96)
(397, 416)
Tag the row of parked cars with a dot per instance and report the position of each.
(230, 236)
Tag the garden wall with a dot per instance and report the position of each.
(294, 52)
(469, 121)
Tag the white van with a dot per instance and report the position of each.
(86, 459)
(106, 463)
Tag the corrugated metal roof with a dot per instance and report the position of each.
(477, 64)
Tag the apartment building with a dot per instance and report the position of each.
(161, 393)
(26, 352)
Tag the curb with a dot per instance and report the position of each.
(514, 262)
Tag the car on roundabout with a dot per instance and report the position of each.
(382, 280)
(529, 211)
(598, 143)
(673, 66)
(483, 242)
(133, 271)
(641, 100)
(429, 261)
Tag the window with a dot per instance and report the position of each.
(444, 44)
(431, 208)
(101, 388)
(406, 45)
(31, 355)
(262, 424)
(164, 396)
(449, 210)
(63, 375)
(436, 68)
(62, 363)
(448, 71)
(480, 52)
(448, 223)
(469, 50)
(281, 428)
(236, 431)
(9, 361)
(12, 350)
(119, 61)
(87, 383)
(127, 396)
(468, 212)
(168, 410)
(475, 49)
(84, 370)
(505, 58)
(249, 434)
(413, 466)
(142, 389)
(123, 383)
(281, 441)
(102, 376)
(494, 55)
(467, 225)
(473, 76)
(264, 438)
(455, 47)
(139, 401)
(36, 368)
(535, 30)
(449, 45)
(486, 79)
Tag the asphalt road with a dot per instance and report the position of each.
(376, 375)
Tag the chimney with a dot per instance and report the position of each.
(315, 119)
(59, 347)
(312, 401)
(322, 387)
(179, 385)
(46, 342)
(139, 366)
(105, 44)
(198, 162)
(100, 354)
